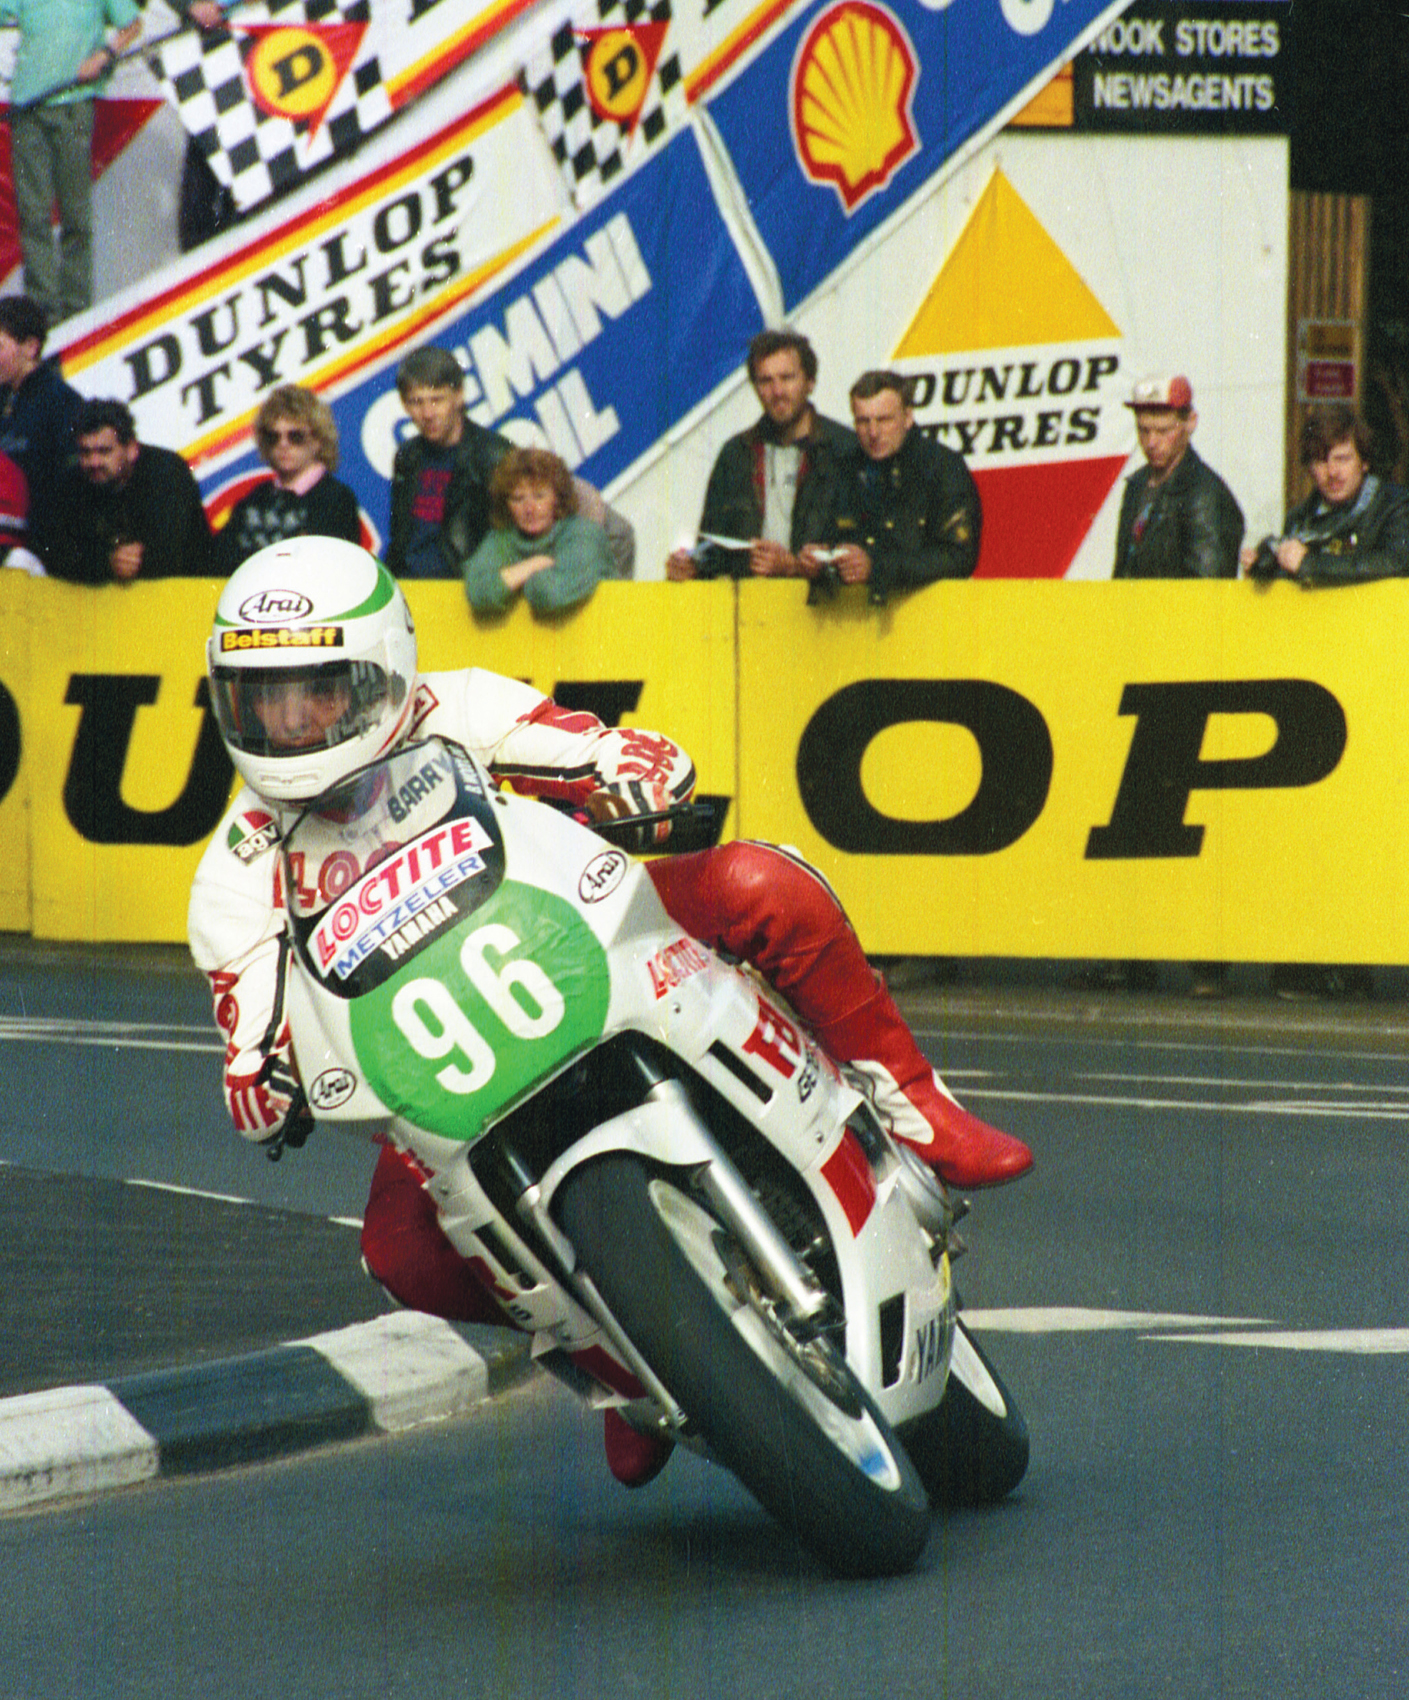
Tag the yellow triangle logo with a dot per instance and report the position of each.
(1006, 284)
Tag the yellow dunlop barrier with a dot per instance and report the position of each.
(1176, 771)
(1020, 769)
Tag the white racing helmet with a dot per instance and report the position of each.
(312, 665)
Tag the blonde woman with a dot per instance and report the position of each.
(298, 441)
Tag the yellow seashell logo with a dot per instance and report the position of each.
(853, 83)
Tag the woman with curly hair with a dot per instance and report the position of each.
(298, 441)
(540, 546)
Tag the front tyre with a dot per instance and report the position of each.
(784, 1414)
(972, 1448)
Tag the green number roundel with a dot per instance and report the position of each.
(479, 1014)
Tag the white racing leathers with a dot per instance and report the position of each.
(236, 921)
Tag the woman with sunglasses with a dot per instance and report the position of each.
(298, 441)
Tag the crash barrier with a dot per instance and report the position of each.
(1186, 771)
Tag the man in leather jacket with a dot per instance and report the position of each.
(774, 486)
(908, 511)
(1354, 526)
(440, 476)
(1178, 519)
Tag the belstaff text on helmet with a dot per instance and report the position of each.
(284, 637)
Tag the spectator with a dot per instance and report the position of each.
(129, 509)
(1354, 526)
(298, 439)
(1178, 519)
(773, 486)
(14, 527)
(37, 411)
(61, 61)
(540, 545)
(440, 477)
(908, 511)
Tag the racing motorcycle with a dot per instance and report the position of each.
(697, 1215)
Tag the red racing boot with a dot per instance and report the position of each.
(913, 1101)
(633, 1458)
(766, 906)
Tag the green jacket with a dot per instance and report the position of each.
(580, 554)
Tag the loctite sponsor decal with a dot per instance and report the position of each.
(283, 637)
(252, 833)
(386, 899)
(676, 963)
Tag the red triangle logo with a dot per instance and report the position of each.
(617, 67)
(1035, 517)
(293, 71)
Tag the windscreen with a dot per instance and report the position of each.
(388, 860)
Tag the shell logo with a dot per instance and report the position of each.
(853, 85)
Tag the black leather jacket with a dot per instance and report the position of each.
(466, 520)
(733, 505)
(1194, 527)
(1364, 539)
(917, 514)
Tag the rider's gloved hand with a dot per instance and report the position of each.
(293, 1130)
(626, 798)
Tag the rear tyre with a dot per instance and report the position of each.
(972, 1449)
(785, 1415)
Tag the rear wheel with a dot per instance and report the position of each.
(783, 1412)
(972, 1449)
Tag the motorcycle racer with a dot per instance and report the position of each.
(312, 667)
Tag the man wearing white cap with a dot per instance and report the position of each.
(1178, 518)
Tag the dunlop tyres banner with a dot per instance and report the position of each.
(119, 776)
(1154, 770)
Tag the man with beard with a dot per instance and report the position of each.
(130, 510)
(773, 487)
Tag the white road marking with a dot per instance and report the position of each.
(1074, 1319)
(1360, 1342)
(1260, 1107)
(1179, 1329)
(186, 1191)
(120, 1035)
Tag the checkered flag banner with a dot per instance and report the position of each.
(605, 90)
(292, 83)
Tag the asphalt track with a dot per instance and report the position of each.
(170, 1270)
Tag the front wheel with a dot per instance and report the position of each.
(785, 1414)
(972, 1448)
